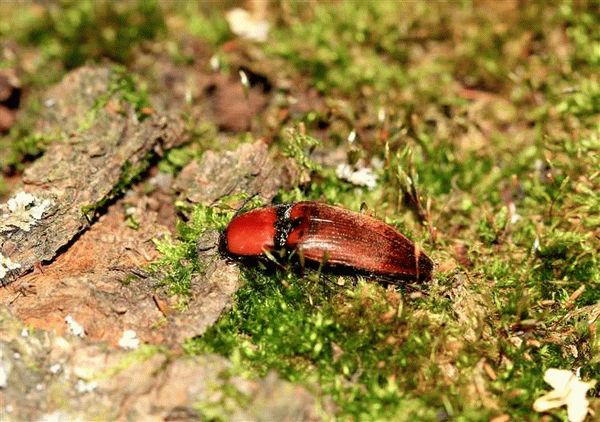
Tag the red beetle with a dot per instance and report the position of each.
(329, 235)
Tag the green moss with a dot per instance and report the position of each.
(345, 47)
(202, 136)
(293, 325)
(176, 159)
(123, 86)
(75, 32)
(582, 22)
(179, 259)
(209, 26)
(299, 146)
(3, 186)
(130, 174)
(23, 143)
(485, 120)
(583, 100)
(361, 344)
(572, 251)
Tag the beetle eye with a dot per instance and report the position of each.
(295, 223)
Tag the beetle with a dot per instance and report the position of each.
(326, 234)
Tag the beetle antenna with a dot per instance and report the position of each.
(246, 202)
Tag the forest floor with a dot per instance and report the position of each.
(132, 132)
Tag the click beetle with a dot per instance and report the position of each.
(330, 235)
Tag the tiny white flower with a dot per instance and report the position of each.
(244, 79)
(74, 327)
(243, 23)
(381, 115)
(130, 210)
(343, 171)
(568, 391)
(536, 245)
(352, 137)
(24, 332)
(365, 177)
(215, 63)
(85, 387)
(361, 177)
(55, 369)
(129, 340)
(514, 216)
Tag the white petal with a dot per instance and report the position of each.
(577, 409)
(242, 23)
(569, 390)
(363, 176)
(577, 404)
(343, 171)
(549, 401)
(559, 379)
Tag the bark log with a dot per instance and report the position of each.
(103, 146)
(250, 169)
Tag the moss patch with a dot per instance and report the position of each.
(481, 123)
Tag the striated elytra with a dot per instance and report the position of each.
(329, 235)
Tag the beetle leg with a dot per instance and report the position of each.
(301, 259)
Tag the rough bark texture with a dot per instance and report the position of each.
(88, 280)
(94, 159)
(212, 294)
(92, 281)
(50, 377)
(85, 281)
(249, 169)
